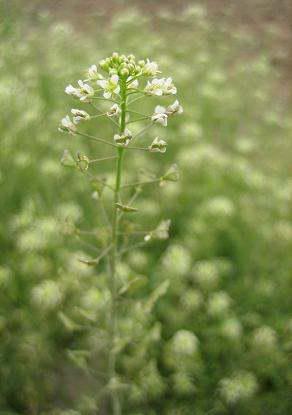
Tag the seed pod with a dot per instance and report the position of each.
(172, 174)
(82, 162)
(67, 159)
(125, 208)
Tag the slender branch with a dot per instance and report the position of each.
(138, 148)
(134, 233)
(98, 258)
(87, 244)
(143, 130)
(102, 114)
(133, 79)
(134, 246)
(102, 159)
(95, 107)
(105, 99)
(133, 91)
(136, 99)
(141, 183)
(138, 113)
(92, 177)
(139, 119)
(99, 140)
(132, 200)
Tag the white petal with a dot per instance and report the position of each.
(159, 109)
(102, 83)
(115, 79)
(107, 95)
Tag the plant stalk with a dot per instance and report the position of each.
(116, 405)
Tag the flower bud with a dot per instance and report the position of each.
(104, 65)
(115, 57)
(124, 72)
(92, 72)
(131, 67)
(113, 72)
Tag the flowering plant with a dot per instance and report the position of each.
(122, 82)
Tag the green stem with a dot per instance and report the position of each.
(116, 406)
(158, 180)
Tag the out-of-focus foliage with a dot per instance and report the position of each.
(210, 330)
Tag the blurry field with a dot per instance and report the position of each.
(219, 339)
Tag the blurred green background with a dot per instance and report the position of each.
(219, 339)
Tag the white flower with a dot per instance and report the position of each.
(162, 86)
(158, 146)
(123, 139)
(110, 86)
(79, 115)
(160, 116)
(114, 111)
(174, 108)
(154, 87)
(150, 68)
(84, 91)
(70, 90)
(67, 126)
(169, 88)
(92, 72)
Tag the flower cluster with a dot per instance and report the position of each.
(161, 114)
(123, 75)
(163, 86)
